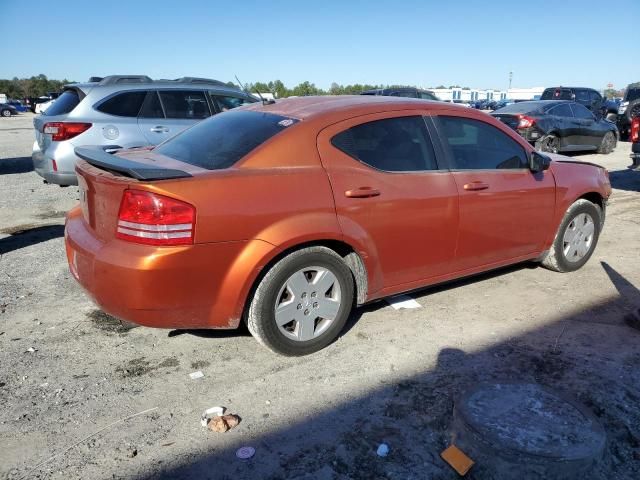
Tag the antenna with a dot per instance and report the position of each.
(264, 102)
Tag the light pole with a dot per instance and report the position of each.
(510, 78)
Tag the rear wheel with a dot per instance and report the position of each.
(576, 238)
(608, 143)
(549, 143)
(6, 113)
(302, 303)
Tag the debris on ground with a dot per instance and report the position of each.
(31, 350)
(209, 413)
(223, 423)
(245, 453)
(457, 459)
(403, 301)
(196, 375)
(383, 450)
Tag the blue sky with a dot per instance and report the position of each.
(425, 43)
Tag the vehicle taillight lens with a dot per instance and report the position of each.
(60, 131)
(525, 122)
(153, 219)
(635, 130)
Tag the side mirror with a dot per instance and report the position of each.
(538, 162)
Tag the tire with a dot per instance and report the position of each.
(584, 219)
(290, 284)
(6, 113)
(633, 110)
(549, 143)
(607, 144)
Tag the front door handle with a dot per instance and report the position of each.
(476, 186)
(159, 129)
(362, 192)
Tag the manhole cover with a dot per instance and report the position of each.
(523, 429)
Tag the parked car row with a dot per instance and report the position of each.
(119, 112)
(368, 196)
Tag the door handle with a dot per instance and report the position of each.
(476, 186)
(159, 129)
(362, 192)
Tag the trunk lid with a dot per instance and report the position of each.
(103, 178)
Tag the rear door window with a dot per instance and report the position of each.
(632, 94)
(227, 102)
(476, 145)
(64, 104)
(562, 110)
(152, 108)
(582, 112)
(399, 144)
(582, 96)
(126, 104)
(557, 94)
(224, 139)
(186, 104)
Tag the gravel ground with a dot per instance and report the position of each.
(72, 378)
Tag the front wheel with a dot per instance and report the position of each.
(6, 113)
(608, 143)
(302, 303)
(576, 238)
(549, 144)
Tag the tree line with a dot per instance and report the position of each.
(41, 85)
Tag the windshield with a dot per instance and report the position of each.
(223, 139)
(557, 94)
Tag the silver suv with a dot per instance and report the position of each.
(122, 112)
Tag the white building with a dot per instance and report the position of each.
(468, 94)
(3, 98)
(524, 93)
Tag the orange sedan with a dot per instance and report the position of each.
(288, 215)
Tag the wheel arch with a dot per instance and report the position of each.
(347, 252)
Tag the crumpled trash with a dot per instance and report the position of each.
(223, 423)
(383, 450)
(208, 413)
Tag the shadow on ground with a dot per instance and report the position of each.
(26, 237)
(625, 180)
(413, 416)
(15, 165)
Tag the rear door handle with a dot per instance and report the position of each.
(362, 192)
(476, 186)
(159, 129)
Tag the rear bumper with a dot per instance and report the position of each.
(194, 286)
(65, 160)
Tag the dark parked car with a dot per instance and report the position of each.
(559, 126)
(629, 108)
(610, 108)
(18, 105)
(409, 92)
(588, 97)
(7, 110)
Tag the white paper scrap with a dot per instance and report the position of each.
(196, 375)
(403, 301)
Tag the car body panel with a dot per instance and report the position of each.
(288, 193)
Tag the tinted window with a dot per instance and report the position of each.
(403, 93)
(595, 97)
(523, 107)
(393, 144)
(184, 104)
(632, 94)
(125, 104)
(227, 102)
(224, 139)
(476, 145)
(65, 103)
(562, 110)
(582, 96)
(151, 107)
(427, 96)
(580, 111)
(557, 94)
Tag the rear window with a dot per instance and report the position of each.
(65, 103)
(223, 139)
(557, 94)
(125, 104)
(521, 107)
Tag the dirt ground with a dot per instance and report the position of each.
(71, 378)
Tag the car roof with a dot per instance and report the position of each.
(342, 105)
(571, 88)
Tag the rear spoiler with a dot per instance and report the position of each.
(97, 157)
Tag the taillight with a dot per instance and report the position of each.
(60, 131)
(153, 219)
(525, 122)
(635, 129)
